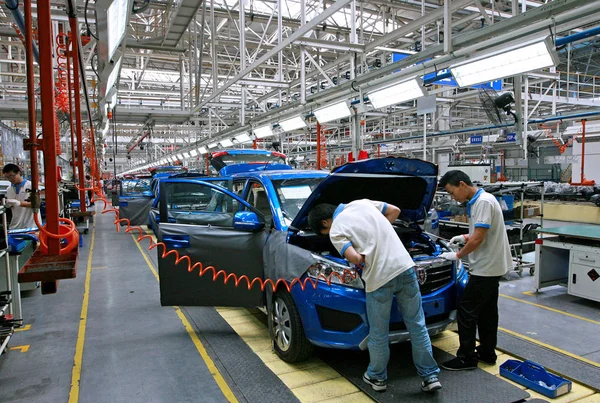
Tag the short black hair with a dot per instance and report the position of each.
(11, 168)
(319, 213)
(454, 178)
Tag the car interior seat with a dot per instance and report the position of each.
(261, 203)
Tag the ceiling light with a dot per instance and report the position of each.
(397, 93)
(263, 131)
(212, 145)
(186, 155)
(292, 124)
(111, 16)
(243, 138)
(336, 111)
(527, 58)
(226, 143)
(202, 150)
(179, 156)
(193, 153)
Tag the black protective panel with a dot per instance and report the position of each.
(136, 210)
(225, 249)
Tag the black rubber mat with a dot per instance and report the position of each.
(404, 385)
(244, 371)
(568, 367)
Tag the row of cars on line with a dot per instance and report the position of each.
(252, 221)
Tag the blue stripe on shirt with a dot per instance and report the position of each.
(384, 208)
(349, 244)
(482, 225)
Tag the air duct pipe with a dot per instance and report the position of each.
(13, 6)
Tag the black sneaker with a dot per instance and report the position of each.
(487, 359)
(431, 385)
(457, 364)
(376, 384)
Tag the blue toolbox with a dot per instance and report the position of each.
(535, 377)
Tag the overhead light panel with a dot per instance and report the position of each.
(292, 124)
(212, 145)
(527, 58)
(263, 131)
(111, 20)
(336, 111)
(186, 155)
(396, 94)
(202, 150)
(179, 156)
(226, 143)
(243, 138)
(193, 153)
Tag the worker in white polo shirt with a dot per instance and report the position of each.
(362, 232)
(17, 198)
(488, 251)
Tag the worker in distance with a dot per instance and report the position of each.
(488, 251)
(18, 199)
(362, 232)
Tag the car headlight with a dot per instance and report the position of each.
(335, 273)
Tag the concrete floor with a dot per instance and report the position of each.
(105, 337)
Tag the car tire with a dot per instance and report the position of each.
(289, 341)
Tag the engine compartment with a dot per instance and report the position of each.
(418, 244)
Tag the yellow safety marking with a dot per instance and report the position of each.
(23, 329)
(23, 349)
(99, 267)
(550, 347)
(530, 293)
(227, 392)
(551, 309)
(78, 359)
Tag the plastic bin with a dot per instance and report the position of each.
(535, 377)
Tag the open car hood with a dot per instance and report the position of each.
(407, 183)
(230, 162)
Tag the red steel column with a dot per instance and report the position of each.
(77, 88)
(48, 116)
(71, 120)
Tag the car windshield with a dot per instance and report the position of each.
(135, 187)
(292, 193)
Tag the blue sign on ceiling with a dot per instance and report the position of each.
(511, 137)
(495, 85)
(476, 139)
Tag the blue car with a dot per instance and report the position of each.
(255, 228)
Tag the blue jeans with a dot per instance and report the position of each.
(379, 307)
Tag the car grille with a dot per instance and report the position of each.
(439, 274)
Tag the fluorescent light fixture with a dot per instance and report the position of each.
(226, 143)
(243, 138)
(186, 155)
(406, 52)
(292, 124)
(396, 94)
(193, 153)
(336, 111)
(263, 131)
(111, 20)
(202, 150)
(179, 156)
(212, 145)
(526, 58)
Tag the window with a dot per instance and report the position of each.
(292, 193)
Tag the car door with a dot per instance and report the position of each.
(135, 200)
(197, 220)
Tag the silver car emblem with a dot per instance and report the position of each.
(421, 274)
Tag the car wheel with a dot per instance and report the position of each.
(289, 341)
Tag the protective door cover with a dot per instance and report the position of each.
(225, 249)
(135, 209)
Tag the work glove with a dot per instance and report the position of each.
(458, 240)
(449, 256)
(12, 203)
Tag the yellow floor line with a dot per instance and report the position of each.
(550, 347)
(214, 371)
(77, 360)
(550, 309)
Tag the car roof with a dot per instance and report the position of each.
(283, 174)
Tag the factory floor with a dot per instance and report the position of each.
(103, 337)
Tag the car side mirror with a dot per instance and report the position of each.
(247, 221)
(147, 193)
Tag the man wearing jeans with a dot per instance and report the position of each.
(362, 232)
(489, 259)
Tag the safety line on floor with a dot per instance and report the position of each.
(78, 359)
(551, 309)
(550, 347)
(214, 371)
